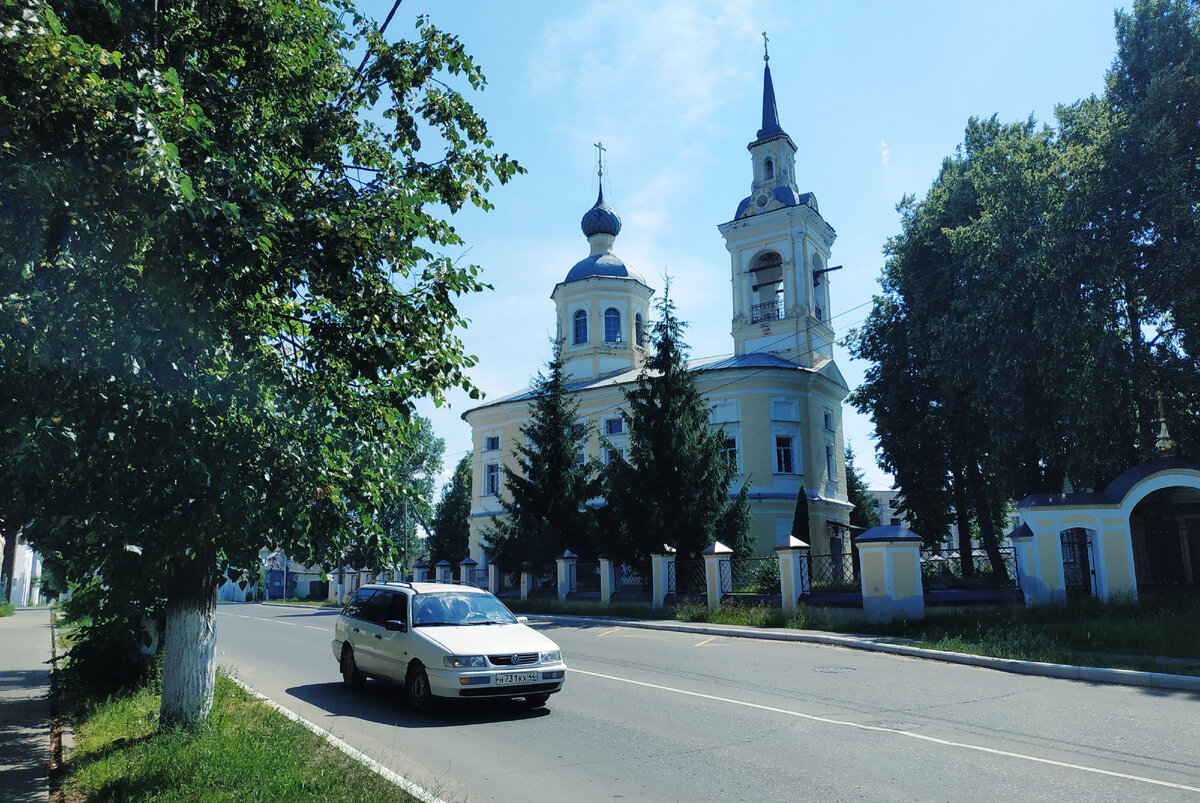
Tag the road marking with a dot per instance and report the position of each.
(706, 641)
(278, 621)
(608, 632)
(897, 732)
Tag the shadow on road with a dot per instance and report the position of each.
(381, 702)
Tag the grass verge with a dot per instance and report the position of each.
(6, 609)
(1123, 634)
(245, 751)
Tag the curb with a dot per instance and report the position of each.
(399, 780)
(1088, 674)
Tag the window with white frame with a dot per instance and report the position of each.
(491, 479)
(731, 452)
(830, 423)
(831, 463)
(491, 443)
(614, 426)
(785, 454)
(581, 333)
(612, 325)
(613, 454)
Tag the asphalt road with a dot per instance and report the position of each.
(666, 716)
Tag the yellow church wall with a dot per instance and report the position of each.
(1116, 561)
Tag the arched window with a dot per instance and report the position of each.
(767, 286)
(580, 326)
(612, 325)
(768, 169)
(639, 330)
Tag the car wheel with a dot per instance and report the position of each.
(352, 676)
(536, 700)
(417, 690)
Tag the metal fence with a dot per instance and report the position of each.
(545, 582)
(750, 576)
(584, 577)
(633, 579)
(686, 578)
(832, 574)
(945, 570)
(509, 582)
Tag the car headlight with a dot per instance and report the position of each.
(465, 662)
(552, 657)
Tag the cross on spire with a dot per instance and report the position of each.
(600, 149)
(766, 55)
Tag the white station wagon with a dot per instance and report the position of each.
(444, 641)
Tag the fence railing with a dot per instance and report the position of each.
(686, 578)
(584, 577)
(832, 574)
(634, 579)
(750, 576)
(945, 571)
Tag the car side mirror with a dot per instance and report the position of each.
(395, 626)
(523, 620)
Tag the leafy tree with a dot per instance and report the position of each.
(220, 299)
(865, 514)
(414, 475)
(674, 487)
(449, 530)
(545, 500)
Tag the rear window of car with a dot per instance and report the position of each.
(355, 606)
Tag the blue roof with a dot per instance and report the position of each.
(770, 114)
(604, 264)
(785, 195)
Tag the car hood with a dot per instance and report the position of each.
(487, 639)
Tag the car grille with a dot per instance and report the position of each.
(514, 659)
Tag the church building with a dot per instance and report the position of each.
(778, 396)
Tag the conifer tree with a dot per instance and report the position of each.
(674, 487)
(545, 497)
(864, 514)
(449, 531)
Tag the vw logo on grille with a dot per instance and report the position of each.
(516, 659)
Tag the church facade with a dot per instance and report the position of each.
(778, 396)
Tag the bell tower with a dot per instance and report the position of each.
(779, 248)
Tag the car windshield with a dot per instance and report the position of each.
(459, 608)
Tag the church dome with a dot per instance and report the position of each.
(600, 219)
(603, 264)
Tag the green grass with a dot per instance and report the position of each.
(1120, 634)
(6, 609)
(245, 752)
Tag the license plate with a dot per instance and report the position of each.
(517, 677)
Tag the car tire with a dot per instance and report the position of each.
(352, 676)
(417, 690)
(536, 700)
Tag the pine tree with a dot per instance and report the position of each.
(864, 514)
(673, 489)
(449, 532)
(545, 498)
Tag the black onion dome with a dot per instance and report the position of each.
(600, 219)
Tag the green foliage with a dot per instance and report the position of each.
(545, 496)
(865, 514)
(246, 752)
(673, 488)
(1043, 291)
(6, 609)
(449, 531)
(414, 474)
(800, 521)
(221, 292)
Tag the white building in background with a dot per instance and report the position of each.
(27, 575)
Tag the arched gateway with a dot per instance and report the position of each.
(1141, 533)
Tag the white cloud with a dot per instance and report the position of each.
(884, 153)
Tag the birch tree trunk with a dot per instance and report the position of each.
(189, 654)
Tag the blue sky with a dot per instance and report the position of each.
(874, 94)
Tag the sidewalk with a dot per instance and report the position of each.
(25, 705)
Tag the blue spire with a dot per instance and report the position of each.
(770, 116)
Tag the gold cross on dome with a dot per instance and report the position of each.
(600, 149)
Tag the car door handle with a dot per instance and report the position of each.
(356, 630)
(378, 636)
